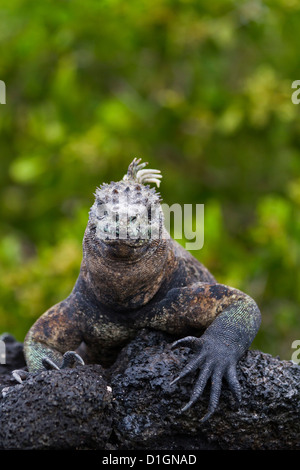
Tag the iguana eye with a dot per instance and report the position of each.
(101, 214)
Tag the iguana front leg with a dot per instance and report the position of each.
(52, 340)
(231, 320)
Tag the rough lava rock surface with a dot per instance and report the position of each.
(132, 405)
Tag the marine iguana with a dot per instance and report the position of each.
(133, 275)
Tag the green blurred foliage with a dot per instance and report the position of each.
(201, 90)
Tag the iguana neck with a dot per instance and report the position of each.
(124, 284)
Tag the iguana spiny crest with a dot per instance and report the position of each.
(136, 173)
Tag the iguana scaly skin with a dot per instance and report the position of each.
(130, 279)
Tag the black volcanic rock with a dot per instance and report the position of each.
(132, 405)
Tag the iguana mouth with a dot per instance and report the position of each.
(125, 249)
(130, 242)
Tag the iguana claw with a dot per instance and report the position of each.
(70, 358)
(19, 375)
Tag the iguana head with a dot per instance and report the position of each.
(125, 246)
(126, 217)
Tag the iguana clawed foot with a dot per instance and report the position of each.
(215, 361)
(70, 359)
